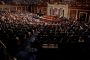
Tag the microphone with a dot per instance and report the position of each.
(3, 44)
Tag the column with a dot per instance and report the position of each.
(76, 14)
(16, 8)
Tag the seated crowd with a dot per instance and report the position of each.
(15, 30)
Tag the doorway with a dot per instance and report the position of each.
(83, 16)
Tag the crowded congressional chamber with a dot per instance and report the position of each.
(45, 30)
